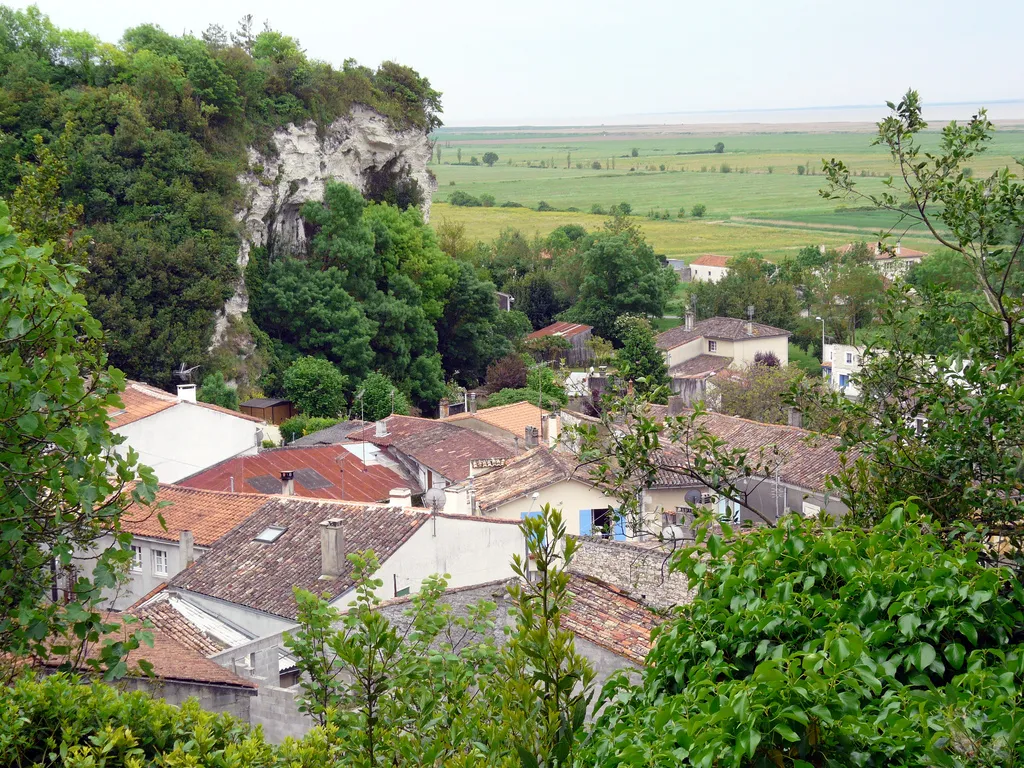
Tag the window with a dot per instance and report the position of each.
(270, 534)
(712, 346)
(136, 558)
(843, 380)
(849, 358)
(602, 523)
(160, 562)
(810, 510)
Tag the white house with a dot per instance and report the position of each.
(840, 363)
(178, 436)
(892, 263)
(709, 268)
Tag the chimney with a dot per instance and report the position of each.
(332, 548)
(187, 393)
(444, 409)
(380, 429)
(186, 548)
(472, 402)
(689, 315)
(531, 437)
(401, 498)
(899, 245)
(287, 483)
(796, 418)
(545, 433)
(676, 405)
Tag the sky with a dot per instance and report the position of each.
(567, 62)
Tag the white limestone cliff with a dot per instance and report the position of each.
(350, 150)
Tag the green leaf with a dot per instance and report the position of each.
(526, 759)
(955, 654)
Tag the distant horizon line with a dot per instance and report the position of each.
(740, 111)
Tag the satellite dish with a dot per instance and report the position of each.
(434, 498)
(693, 497)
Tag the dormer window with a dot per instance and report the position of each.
(712, 346)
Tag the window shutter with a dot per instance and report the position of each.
(620, 528)
(586, 522)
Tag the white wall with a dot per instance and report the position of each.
(686, 351)
(743, 352)
(569, 496)
(706, 274)
(187, 438)
(837, 354)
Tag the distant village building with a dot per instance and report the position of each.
(508, 422)
(841, 362)
(576, 334)
(177, 435)
(709, 268)
(891, 263)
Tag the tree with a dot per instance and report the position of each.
(512, 325)
(215, 390)
(596, 165)
(507, 373)
(467, 336)
(315, 387)
(758, 392)
(719, 147)
(639, 360)
(64, 484)
(452, 239)
(535, 297)
(458, 154)
(698, 211)
(622, 276)
(378, 398)
(634, 152)
(752, 281)
(490, 158)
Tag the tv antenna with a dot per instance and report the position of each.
(185, 374)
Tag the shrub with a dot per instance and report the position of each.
(463, 199)
(474, 161)
(512, 204)
(316, 387)
(681, 214)
(300, 426)
(769, 359)
(214, 390)
(801, 170)
(698, 211)
(543, 206)
(661, 167)
(597, 209)
(725, 168)
(507, 373)
(596, 165)
(634, 152)
(487, 201)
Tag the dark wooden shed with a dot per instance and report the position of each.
(272, 410)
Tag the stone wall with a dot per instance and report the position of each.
(640, 569)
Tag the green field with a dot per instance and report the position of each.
(762, 203)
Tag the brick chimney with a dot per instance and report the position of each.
(187, 393)
(287, 483)
(400, 498)
(332, 548)
(444, 409)
(531, 437)
(186, 548)
(472, 402)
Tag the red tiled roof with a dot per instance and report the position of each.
(537, 468)
(699, 366)
(262, 576)
(333, 470)
(565, 330)
(443, 447)
(208, 514)
(905, 253)
(141, 401)
(606, 616)
(711, 260)
(726, 328)
(169, 622)
(512, 418)
(171, 661)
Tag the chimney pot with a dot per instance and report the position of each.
(444, 409)
(186, 548)
(689, 315)
(332, 548)
(287, 483)
(531, 436)
(187, 393)
(401, 498)
(472, 402)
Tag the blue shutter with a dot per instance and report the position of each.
(586, 522)
(619, 527)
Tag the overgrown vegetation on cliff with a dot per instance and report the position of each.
(154, 135)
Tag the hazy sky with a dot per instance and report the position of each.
(537, 62)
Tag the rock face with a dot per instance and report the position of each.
(354, 150)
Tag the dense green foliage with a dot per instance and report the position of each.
(157, 128)
(215, 390)
(300, 426)
(315, 387)
(639, 360)
(62, 483)
(378, 398)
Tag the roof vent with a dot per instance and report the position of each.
(287, 483)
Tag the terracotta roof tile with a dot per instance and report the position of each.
(140, 400)
(537, 468)
(262, 576)
(726, 328)
(699, 366)
(332, 472)
(443, 447)
(711, 260)
(512, 418)
(565, 330)
(208, 514)
(606, 616)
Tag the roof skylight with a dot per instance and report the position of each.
(270, 534)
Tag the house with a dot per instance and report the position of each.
(840, 363)
(709, 268)
(696, 351)
(576, 334)
(319, 472)
(272, 410)
(178, 436)
(521, 486)
(178, 673)
(509, 422)
(892, 262)
(505, 300)
(434, 453)
(249, 577)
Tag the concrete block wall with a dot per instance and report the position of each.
(640, 569)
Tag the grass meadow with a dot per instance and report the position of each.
(761, 203)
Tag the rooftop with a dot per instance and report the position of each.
(512, 418)
(171, 660)
(700, 366)
(565, 330)
(441, 446)
(261, 576)
(725, 328)
(711, 260)
(264, 402)
(332, 435)
(321, 472)
(537, 468)
(608, 617)
(141, 401)
(208, 514)
(188, 625)
(899, 251)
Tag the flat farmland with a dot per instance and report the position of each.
(761, 202)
